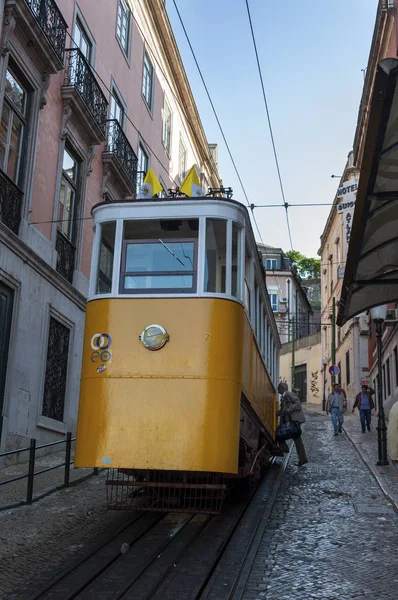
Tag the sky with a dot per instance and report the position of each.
(312, 55)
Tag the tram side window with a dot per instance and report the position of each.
(159, 256)
(216, 247)
(106, 253)
(236, 270)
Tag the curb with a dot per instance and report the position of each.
(384, 486)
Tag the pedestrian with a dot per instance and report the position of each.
(365, 404)
(290, 410)
(336, 404)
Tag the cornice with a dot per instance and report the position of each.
(29, 257)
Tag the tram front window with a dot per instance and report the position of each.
(159, 256)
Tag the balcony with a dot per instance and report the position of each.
(44, 29)
(84, 96)
(65, 257)
(10, 203)
(120, 161)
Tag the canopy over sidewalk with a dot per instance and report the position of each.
(371, 273)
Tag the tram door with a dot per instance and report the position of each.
(300, 380)
(6, 305)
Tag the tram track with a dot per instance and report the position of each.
(174, 556)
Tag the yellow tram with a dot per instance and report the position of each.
(181, 353)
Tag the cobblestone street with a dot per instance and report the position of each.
(332, 533)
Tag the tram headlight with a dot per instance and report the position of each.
(154, 337)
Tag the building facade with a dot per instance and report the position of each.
(92, 94)
(308, 373)
(287, 294)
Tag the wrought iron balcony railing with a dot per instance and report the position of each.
(78, 75)
(52, 23)
(118, 144)
(10, 203)
(66, 256)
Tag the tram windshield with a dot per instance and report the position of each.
(159, 256)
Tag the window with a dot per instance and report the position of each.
(13, 127)
(216, 246)
(56, 371)
(142, 166)
(159, 256)
(166, 134)
(116, 111)
(182, 161)
(270, 264)
(164, 192)
(147, 81)
(123, 25)
(388, 377)
(68, 195)
(274, 302)
(396, 365)
(106, 253)
(235, 276)
(339, 375)
(339, 336)
(82, 40)
(347, 367)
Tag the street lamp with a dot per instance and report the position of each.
(378, 314)
(324, 363)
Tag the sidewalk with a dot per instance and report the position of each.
(366, 446)
(14, 494)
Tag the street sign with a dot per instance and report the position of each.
(364, 381)
(334, 370)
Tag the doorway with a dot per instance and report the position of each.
(300, 380)
(6, 307)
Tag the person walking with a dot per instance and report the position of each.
(290, 410)
(365, 404)
(336, 404)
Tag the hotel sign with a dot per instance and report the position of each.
(347, 194)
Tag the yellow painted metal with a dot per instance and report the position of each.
(177, 408)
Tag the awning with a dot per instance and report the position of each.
(371, 274)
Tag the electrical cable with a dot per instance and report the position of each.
(285, 204)
(216, 117)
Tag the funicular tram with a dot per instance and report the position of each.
(181, 354)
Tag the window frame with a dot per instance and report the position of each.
(23, 118)
(125, 8)
(116, 97)
(347, 368)
(181, 174)
(76, 187)
(80, 25)
(271, 260)
(148, 101)
(44, 420)
(139, 170)
(167, 146)
(149, 291)
(277, 303)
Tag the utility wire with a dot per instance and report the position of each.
(216, 116)
(285, 204)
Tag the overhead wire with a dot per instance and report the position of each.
(216, 117)
(285, 204)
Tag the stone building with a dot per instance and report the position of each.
(92, 94)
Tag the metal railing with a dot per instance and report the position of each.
(118, 144)
(51, 22)
(78, 74)
(65, 256)
(31, 474)
(10, 203)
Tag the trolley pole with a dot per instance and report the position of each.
(293, 357)
(333, 336)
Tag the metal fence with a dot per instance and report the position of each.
(30, 475)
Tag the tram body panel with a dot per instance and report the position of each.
(177, 408)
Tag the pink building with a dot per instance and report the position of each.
(92, 94)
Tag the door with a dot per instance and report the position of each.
(300, 380)
(6, 305)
